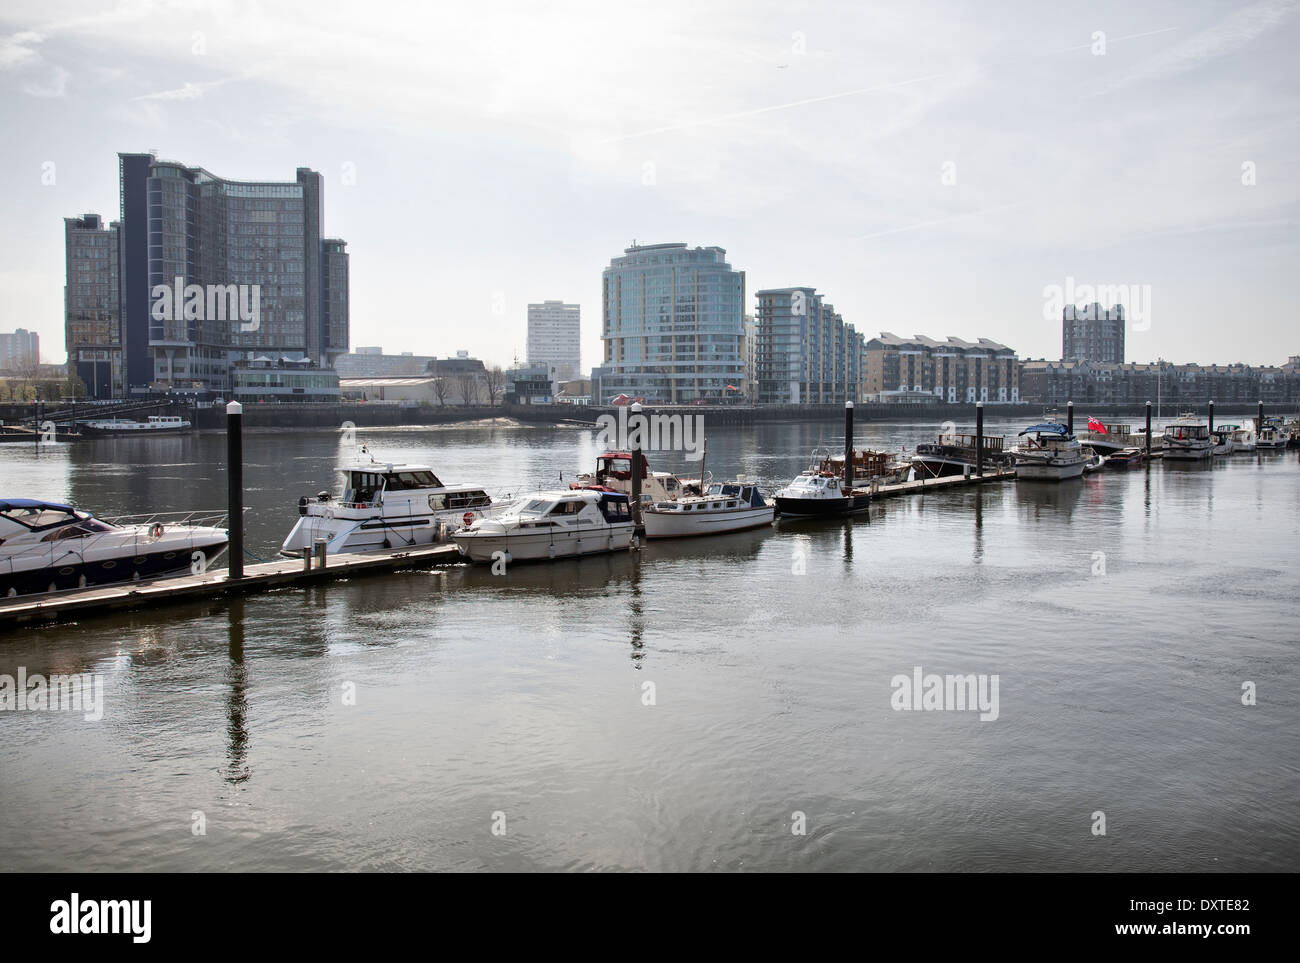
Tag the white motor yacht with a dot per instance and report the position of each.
(379, 506)
(48, 546)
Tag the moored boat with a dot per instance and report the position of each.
(817, 492)
(724, 507)
(956, 453)
(50, 546)
(1050, 453)
(1272, 436)
(379, 506)
(550, 525)
(1187, 439)
(1107, 439)
(1125, 458)
(155, 425)
(614, 472)
(868, 466)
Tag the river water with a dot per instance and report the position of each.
(719, 704)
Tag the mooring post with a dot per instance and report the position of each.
(979, 438)
(235, 486)
(1211, 416)
(1259, 420)
(1069, 417)
(848, 445)
(1148, 454)
(636, 433)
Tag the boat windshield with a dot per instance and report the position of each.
(535, 506)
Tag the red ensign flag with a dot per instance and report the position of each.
(1095, 425)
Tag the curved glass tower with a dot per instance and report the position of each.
(673, 325)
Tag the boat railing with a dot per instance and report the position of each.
(147, 527)
(199, 518)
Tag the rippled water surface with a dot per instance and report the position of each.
(1122, 614)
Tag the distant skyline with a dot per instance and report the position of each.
(931, 168)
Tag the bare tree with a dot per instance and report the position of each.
(440, 388)
(468, 384)
(494, 380)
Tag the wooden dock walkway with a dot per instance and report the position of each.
(937, 484)
(74, 603)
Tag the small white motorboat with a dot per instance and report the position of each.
(1050, 453)
(1188, 439)
(724, 507)
(551, 525)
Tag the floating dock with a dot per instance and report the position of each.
(73, 603)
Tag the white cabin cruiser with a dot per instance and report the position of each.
(1273, 435)
(1051, 453)
(550, 525)
(1188, 439)
(724, 507)
(382, 506)
(48, 546)
(1241, 437)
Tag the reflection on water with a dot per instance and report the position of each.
(771, 653)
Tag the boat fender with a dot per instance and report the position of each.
(157, 530)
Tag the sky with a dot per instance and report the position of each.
(932, 168)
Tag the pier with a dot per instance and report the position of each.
(218, 584)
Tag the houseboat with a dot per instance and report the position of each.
(955, 453)
(155, 425)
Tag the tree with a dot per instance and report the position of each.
(494, 380)
(468, 384)
(440, 388)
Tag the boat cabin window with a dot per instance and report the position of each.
(362, 486)
(39, 517)
(406, 480)
(69, 531)
(462, 500)
(616, 510)
(620, 468)
(535, 506)
(567, 508)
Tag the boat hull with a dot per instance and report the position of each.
(1040, 471)
(74, 571)
(822, 507)
(686, 524)
(1175, 452)
(543, 545)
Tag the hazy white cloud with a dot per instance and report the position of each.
(514, 149)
